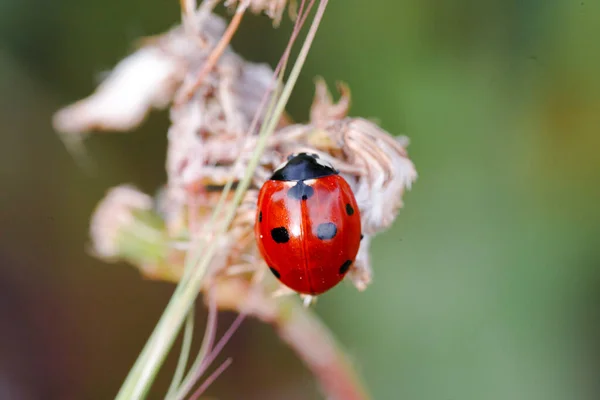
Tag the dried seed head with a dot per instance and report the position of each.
(210, 142)
(375, 164)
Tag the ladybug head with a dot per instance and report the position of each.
(303, 166)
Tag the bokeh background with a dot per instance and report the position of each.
(488, 285)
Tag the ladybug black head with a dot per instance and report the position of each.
(303, 166)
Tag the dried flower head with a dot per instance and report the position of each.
(209, 142)
(217, 101)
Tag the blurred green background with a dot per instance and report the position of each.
(487, 286)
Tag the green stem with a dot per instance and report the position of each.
(142, 375)
(207, 343)
(183, 356)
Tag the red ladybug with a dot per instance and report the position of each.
(308, 224)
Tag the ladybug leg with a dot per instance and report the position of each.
(308, 300)
(283, 291)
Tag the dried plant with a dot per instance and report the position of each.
(222, 145)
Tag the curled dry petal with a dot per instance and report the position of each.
(145, 79)
(388, 171)
(113, 214)
(273, 8)
(323, 109)
(360, 273)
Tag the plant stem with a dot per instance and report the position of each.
(316, 346)
(183, 356)
(207, 344)
(144, 371)
(302, 330)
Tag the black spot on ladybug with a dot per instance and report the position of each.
(345, 266)
(275, 272)
(361, 236)
(260, 216)
(326, 231)
(280, 235)
(300, 191)
(349, 209)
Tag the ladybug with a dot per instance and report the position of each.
(308, 226)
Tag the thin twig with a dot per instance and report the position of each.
(192, 17)
(214, 55)
(305, 334)
(317, 348)
(187, 7)
(211, 378)
(206, 346)
(222, 342)
(282, 61)
(206, 357)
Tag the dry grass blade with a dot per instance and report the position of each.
(211, 378)
(205, 361)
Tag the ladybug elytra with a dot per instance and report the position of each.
(308, 224)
